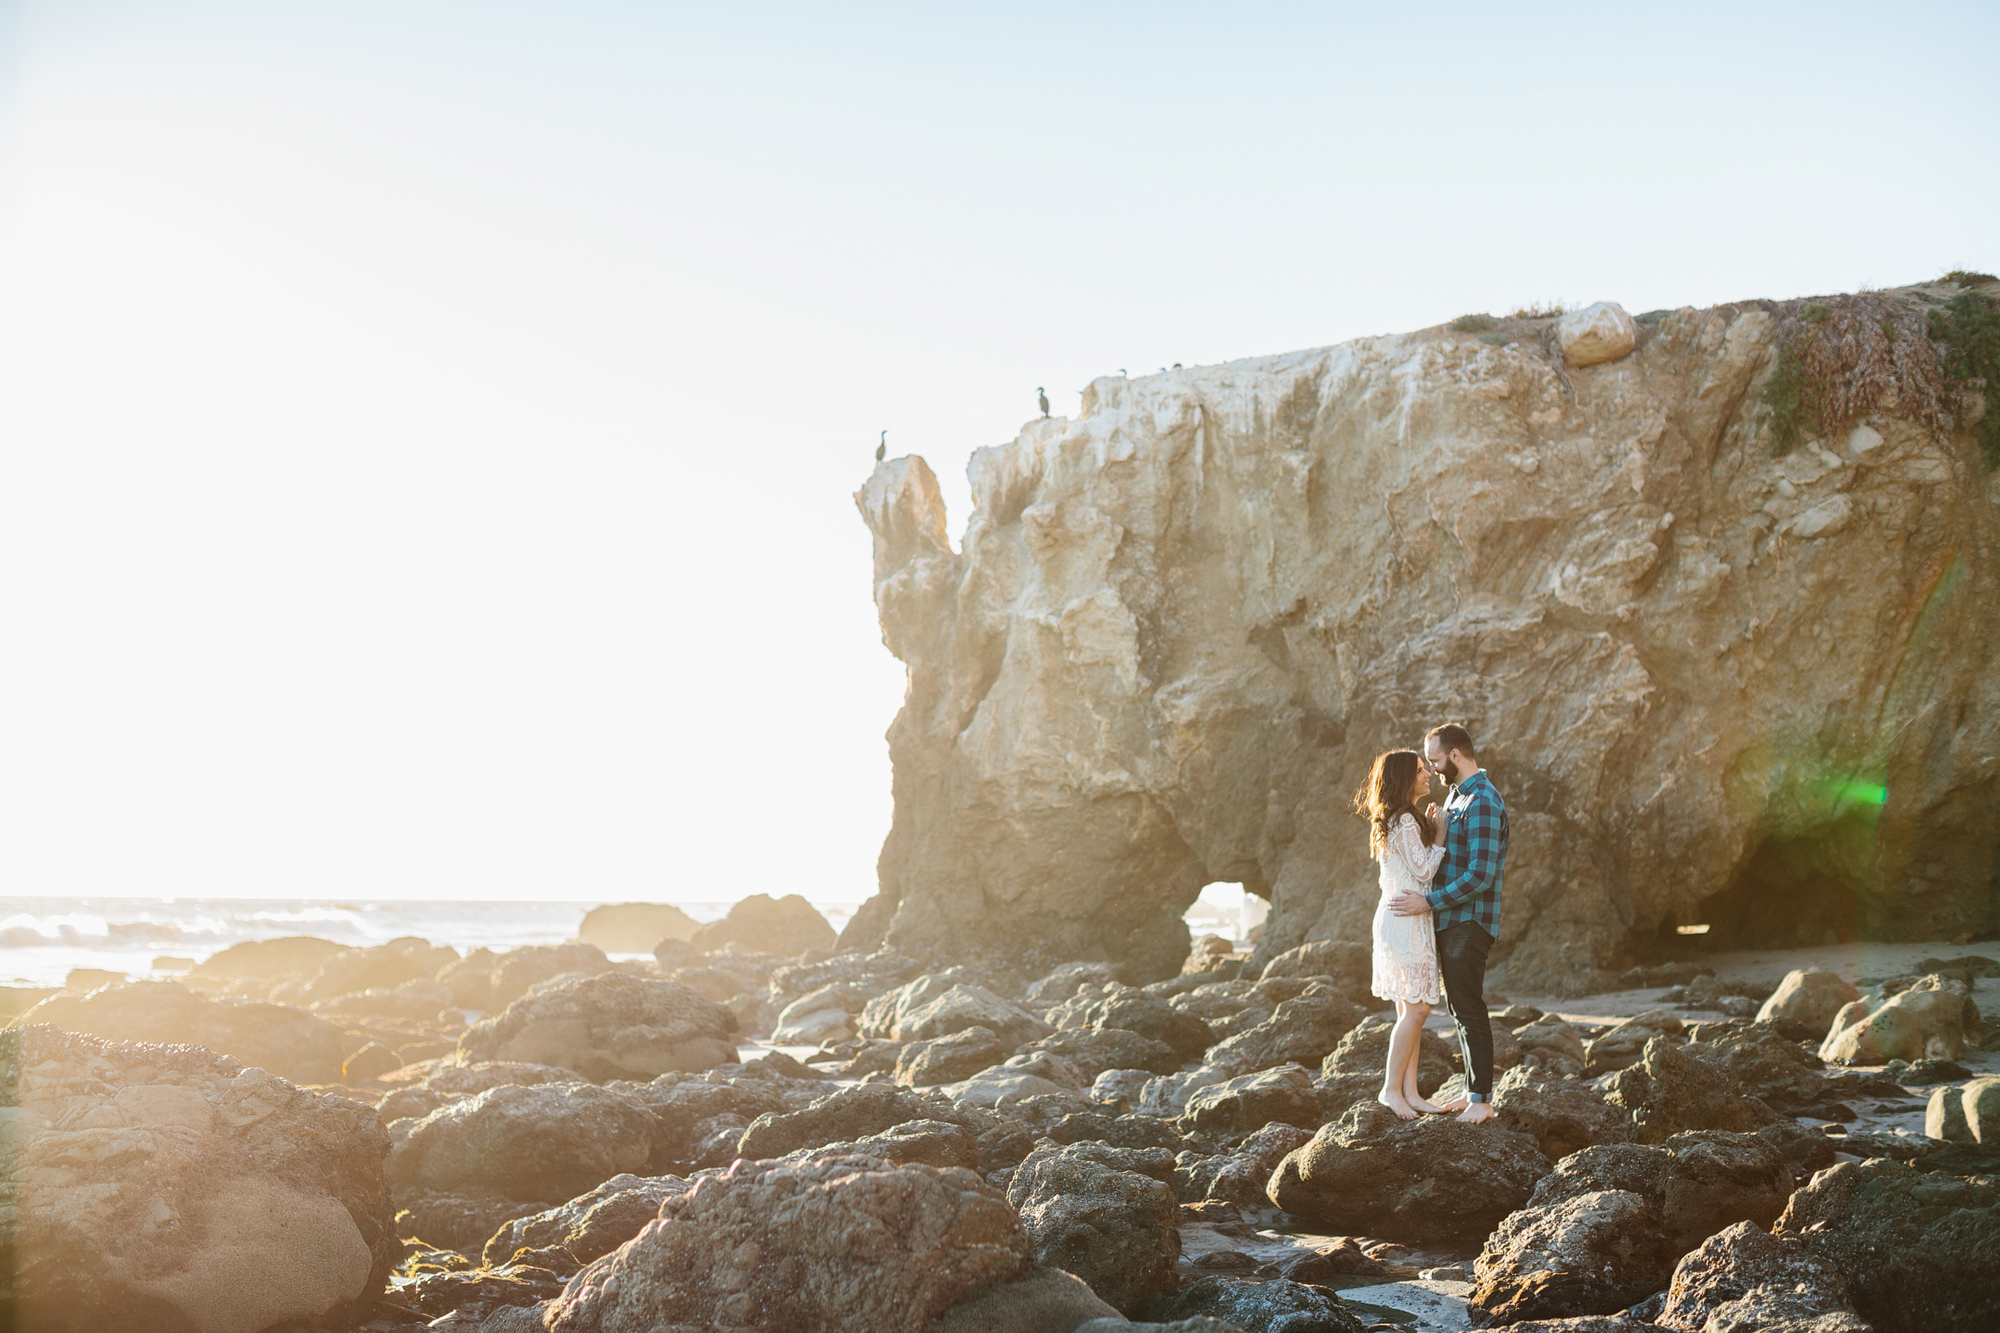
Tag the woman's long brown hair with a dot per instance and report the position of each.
(1385, 797)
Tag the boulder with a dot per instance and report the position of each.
(592, 1224)
(1781, 1073)
(1743, 1278)
(635, 927)
(1108, 1215)
(167, 1187)
(1349, 966)
(285, 1040)
(1210, 955)
(1669, 1091)
(1007, 1082)
(514, 972)
(964, 1007)
(1590, 1253)
(1928, 1021)
(929, 1142)
(1137, 1011)
(840, 1116)
(1092, 1051)
(1696, 1184)
(787, 926)
(1551, 1046)
(1427, 1181)
(1965, 1113)
(1245, 1105)
(553, 1141)
(1238, 1176)
(1039, 1300)
(819, 1016)
(378, 967)
(845, 1242)
(1068, 979)
(1596, 334)
(1620, 1046)
(1562, 1114)
(1808, 995)
(1301, 1031)
(289, 958)
(1365, 1050)
(1918, 1251)
(1278, 1305)
(881, 1014)
(607, 1026)
(926, 1064)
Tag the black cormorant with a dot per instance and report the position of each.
(882, 446)
(1042, 397)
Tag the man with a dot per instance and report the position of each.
(1465, 901)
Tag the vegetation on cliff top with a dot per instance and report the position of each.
(1844, 358)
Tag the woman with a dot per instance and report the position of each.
(1408, 846)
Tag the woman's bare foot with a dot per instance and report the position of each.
(1423, 1107)
(1394, 1101)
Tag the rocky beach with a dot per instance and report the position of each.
(1740, 696)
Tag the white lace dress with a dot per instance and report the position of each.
(1406, 965)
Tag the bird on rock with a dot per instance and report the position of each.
(1042, 397)
(882, 446)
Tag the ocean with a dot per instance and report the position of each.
(42, 939)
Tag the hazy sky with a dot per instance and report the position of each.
(429, 428)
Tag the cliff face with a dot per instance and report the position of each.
(1713, 685)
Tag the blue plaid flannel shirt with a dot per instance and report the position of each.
(1475, 855)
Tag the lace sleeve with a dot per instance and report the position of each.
(1408, 840)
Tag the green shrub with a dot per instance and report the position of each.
(1967, 278)
(1785, 395)
(1969, 329)
(1548, 310)
(1815, 313)
(1495, 339)
(1472, 323)
(1653, 316)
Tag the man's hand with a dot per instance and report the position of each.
(1406, 903)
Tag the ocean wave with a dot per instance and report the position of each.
(88, 932)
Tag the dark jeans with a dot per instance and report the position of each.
(1462, 958)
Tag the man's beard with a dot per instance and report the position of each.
(1447, 770)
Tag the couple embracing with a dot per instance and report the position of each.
(1440, 908)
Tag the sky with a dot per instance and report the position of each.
(430, 428)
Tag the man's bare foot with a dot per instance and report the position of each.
(1475, 1112)
(1394, 1101)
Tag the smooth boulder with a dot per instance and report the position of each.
(1965, 1113)
(635, 927)
(787, 926)
(1929, 1021)
(1809, 995)
(1598, 333)
(167, 1187)
(608, 1026)
(286, 1040)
